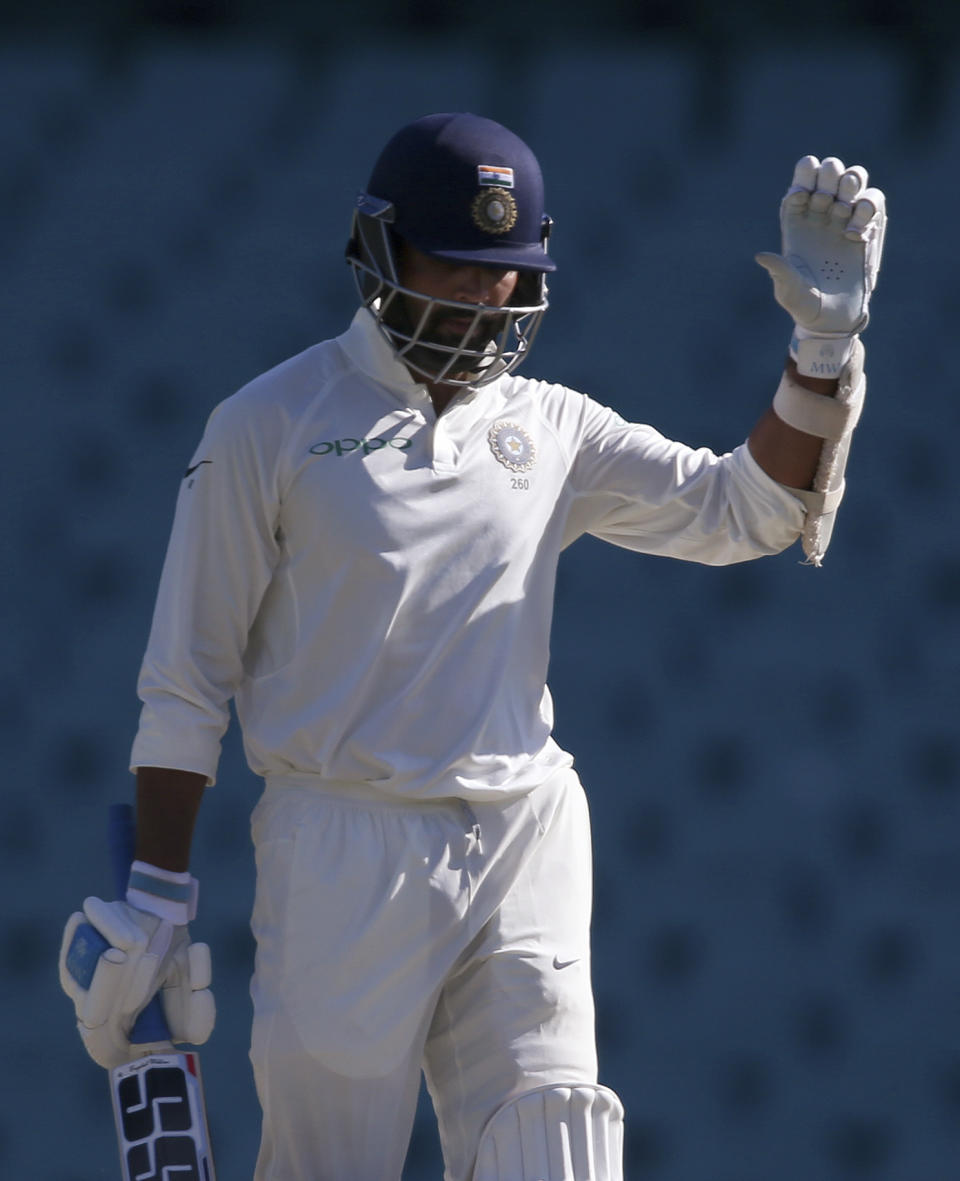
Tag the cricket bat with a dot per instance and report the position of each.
(158, 1102)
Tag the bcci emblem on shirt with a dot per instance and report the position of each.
(512, 446)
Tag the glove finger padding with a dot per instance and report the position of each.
(828, 181)
(851, 183)
(804, 177)
(188, 1003)
(868, 223)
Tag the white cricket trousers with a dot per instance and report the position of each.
(394, 936)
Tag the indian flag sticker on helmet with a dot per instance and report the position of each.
(512, 446)
(495, 174)
(494, 211)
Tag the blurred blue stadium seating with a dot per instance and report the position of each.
(771, 751)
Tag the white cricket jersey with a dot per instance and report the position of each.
(373, 584)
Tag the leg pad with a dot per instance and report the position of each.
(554, 1134)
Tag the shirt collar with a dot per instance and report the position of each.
(370, 352)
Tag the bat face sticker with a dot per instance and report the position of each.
(161, 1124)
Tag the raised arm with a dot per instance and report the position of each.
(832, 229)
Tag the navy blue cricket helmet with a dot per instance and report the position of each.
(462, 188)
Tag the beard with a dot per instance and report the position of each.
(442, 329)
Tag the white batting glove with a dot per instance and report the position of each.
(125, 976)
(111, 985)
(832, 227)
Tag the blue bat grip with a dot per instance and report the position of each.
(151, 1025)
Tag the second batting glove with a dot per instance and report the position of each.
(145, 953)
(832, 229)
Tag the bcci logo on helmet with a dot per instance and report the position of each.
(494, 211)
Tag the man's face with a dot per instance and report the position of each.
(460, 281)
(436, 278)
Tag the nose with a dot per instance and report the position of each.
(477, 284)
(473, 285)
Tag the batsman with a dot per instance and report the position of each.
(363, 559)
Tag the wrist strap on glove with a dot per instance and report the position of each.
(821, 355)
(163, 892)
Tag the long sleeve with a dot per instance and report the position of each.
(222, 552)
(637, 489)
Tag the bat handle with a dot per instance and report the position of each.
(151, 1026)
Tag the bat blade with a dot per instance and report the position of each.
(161, 1120)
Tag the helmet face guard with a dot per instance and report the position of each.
(495, 340)
(464, 190)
